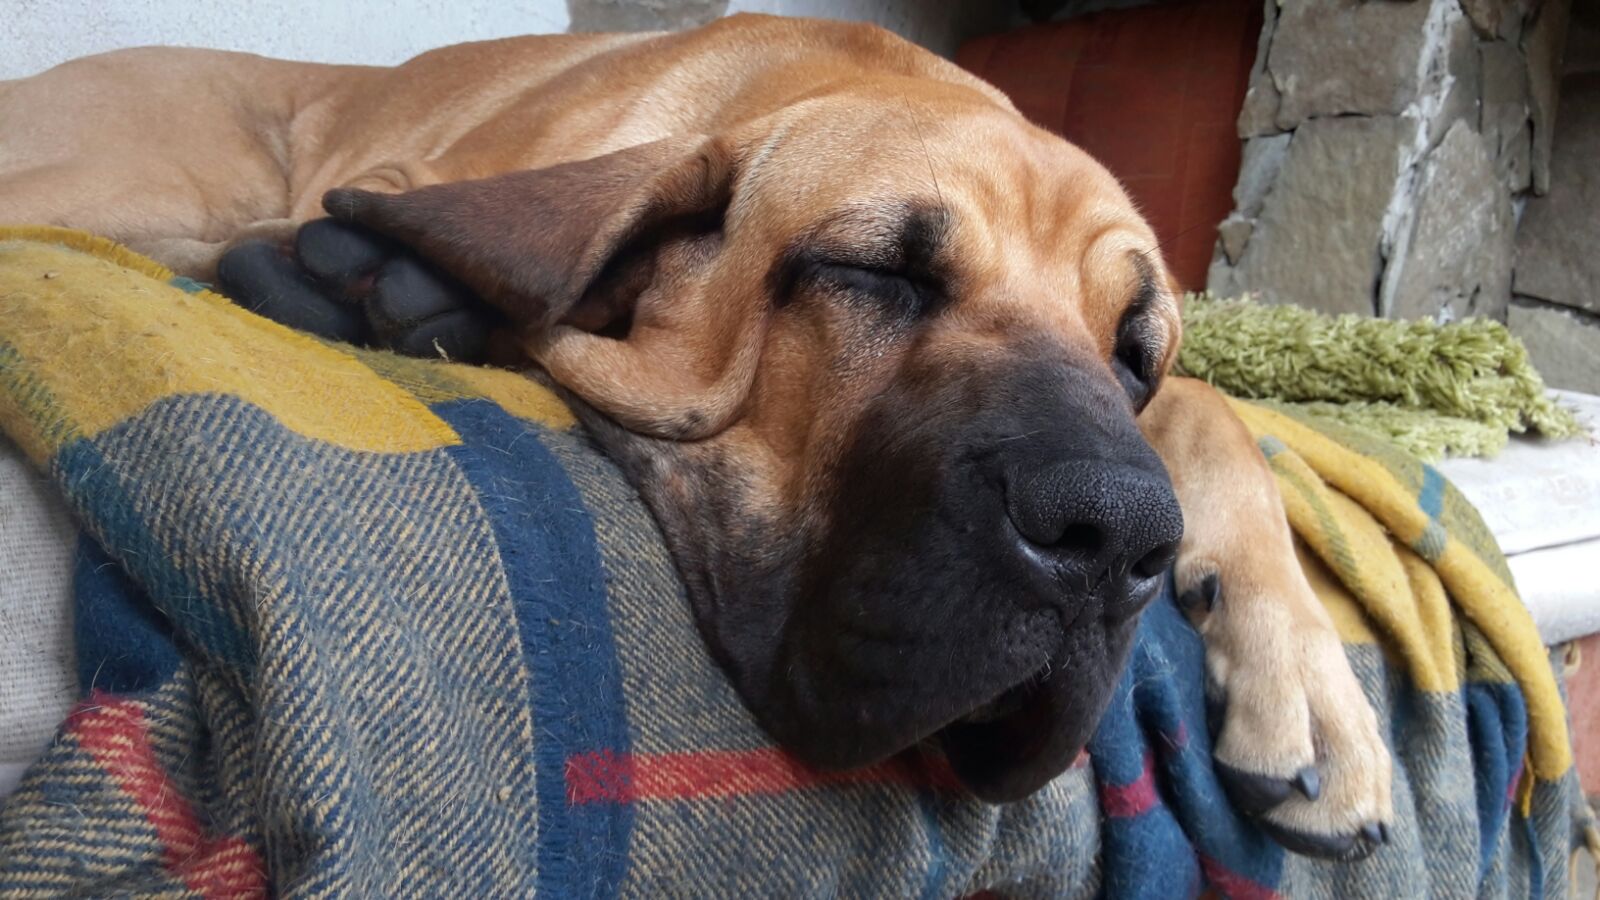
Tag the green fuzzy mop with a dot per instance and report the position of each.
(1456, 389)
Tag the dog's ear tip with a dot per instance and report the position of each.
(346, 203)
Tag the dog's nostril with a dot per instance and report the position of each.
(1157, 561)
(1081, 538)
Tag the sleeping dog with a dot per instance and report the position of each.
(887, 362)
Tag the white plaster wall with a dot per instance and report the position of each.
(38, 34)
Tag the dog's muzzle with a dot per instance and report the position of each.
(981, 579)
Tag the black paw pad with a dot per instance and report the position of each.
(348, 284)
(266, 279)
(407, 292)
(340, 255)
(416, 311)
(461, 336)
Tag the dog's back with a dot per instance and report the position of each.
(167, 147)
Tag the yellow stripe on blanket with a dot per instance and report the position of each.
(72, 305)
(1386, 564)
(70, 316)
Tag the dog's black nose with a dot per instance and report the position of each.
(1094, 519)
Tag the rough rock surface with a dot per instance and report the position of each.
(1337, 57)
(1485, 15)
(1316, 240)
(1558, 244)
(1234, 233)
(642, 15)
(1460, 70)
(1259, 114)
(1543, 43)
(1259, 163)
(1453, 258)
(1504, 115)
(1415, 212)
(1563, 345)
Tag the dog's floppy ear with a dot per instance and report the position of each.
(604, 265)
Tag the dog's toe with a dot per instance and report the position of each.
(408, 292)
(1341, 847)
(1254, 793)
(459, 336)
(418, 312)
(348, 284)
(1298, 748)
(266, 279)
(339, 254)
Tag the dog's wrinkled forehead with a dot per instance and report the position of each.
(1007, 229)
(1014, 221)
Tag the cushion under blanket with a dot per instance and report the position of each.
(352, 625)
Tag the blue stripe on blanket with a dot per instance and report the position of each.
(124, 644)
(95, 487)
(1497, 727)
(938, 862)
(547, 545)
(390, 705)
(1168, 824)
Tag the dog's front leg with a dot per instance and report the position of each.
(1298, 745)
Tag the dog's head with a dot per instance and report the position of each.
(875, 368)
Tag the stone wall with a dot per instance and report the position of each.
(1385, 144)
(1555, 305)
(1391, 147)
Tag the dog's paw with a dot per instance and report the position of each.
(347, 284)
(1297, 745)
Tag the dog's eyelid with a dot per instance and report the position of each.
(814, 261)
(905, 240)
(1141, 332)
(884, 257)
(897, 289)
(1140, 335)
(899, 264)
(1140, 345)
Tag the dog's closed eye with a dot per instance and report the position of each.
(1137, 353)
(898, 293)
(885, 256)
(1133, 364)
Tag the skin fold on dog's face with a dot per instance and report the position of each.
(877, 377)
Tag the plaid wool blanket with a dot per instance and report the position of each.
(350, 625)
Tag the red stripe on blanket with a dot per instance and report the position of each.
(113, 733)
(1128, 800)
(612, 777)
(607, 777)
(1231, 884)
(631, 777)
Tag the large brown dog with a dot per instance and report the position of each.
(885, 360)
